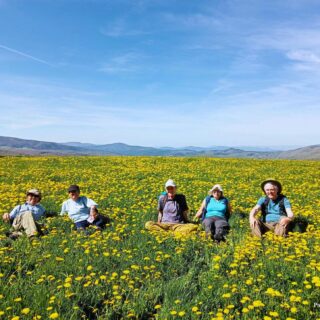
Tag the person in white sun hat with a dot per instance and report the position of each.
(276, 211)
(24, 217)
(214, 212)
(172, 212)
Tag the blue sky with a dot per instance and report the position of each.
(161, 73)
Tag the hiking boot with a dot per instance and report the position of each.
(14, 235)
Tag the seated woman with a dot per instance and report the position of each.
(214, 212)
(82, 210)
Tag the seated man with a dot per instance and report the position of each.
(82, 210)
(24, 217)
(172, 212)
(275, 208)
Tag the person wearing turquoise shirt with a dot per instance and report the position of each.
(276, 211)
(215, 211)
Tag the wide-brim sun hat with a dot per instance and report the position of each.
(170, 183)
(216, 187)
(34, 192)
(272, 181)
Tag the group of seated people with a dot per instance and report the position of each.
(214, 212)
(81, 210)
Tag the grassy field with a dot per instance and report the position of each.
(126, 272)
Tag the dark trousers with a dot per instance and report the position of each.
(216, 226)
(100, 222)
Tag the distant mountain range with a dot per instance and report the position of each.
(16, 146)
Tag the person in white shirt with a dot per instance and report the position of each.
(82, 210)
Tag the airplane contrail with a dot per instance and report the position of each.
(24, 55)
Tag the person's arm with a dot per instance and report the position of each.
(199, 212)
(290, 213)
(6, 217)
(185, 208)
(160, 214)
(252, 215)
(185, 215)
(63, 208)
(14, 212)
(290, 216)
(90, 203)
(160, 210)
(229, 208)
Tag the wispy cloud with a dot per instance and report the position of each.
(128, 62)
(23, 54)
(121, 28)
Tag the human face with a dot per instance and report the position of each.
(171, 191)
(32, 199)
(74, 195)
(216, 194)
(271, 191)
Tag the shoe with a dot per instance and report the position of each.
(14, 235)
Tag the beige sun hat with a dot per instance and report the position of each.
(34, 192)
(215, 187)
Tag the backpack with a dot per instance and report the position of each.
(264, 207)
(204, 210)
(163, 198)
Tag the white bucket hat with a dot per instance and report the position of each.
(170, 183)
(216, 187)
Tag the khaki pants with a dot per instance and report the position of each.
(25, 222)
(261, 228)
(183, 228)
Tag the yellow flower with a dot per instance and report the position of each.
(54, 315)
(158, 306)
(25, 310)
(173, 312)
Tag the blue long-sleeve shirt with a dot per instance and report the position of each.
(37, 211)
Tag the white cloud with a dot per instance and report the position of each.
(129, 62)
(304, 56)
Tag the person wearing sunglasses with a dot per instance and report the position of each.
(25, 217)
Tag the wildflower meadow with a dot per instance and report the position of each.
(126, 272)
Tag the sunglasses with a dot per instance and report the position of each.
(33, 195)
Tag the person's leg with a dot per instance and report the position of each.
(259, 229)
(184, 228)
(209, 227)
(26, 222)
(156, 226)
(82, 225)
(281, 228)
(100, 222)
(221, 229)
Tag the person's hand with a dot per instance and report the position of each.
(195, 219)
(253, 221)
(93, 213)
(285, 221)
(6, 217)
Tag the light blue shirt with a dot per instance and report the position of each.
(274, 208)
(217, 208)
(37, 211)
(78, 210)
